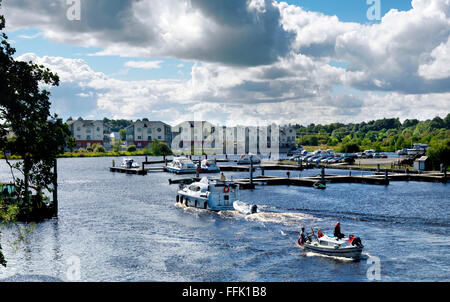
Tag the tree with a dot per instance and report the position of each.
(123, 134)
(439, 153)
(350, 147)
(25, 111)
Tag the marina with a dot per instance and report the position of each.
(150, 237)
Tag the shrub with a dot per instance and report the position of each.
(99, 149)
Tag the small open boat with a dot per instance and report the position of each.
(319, 185)
(331, 246)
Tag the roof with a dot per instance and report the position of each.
(423, 158)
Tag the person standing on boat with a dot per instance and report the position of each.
(337, 231)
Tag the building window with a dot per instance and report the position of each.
(149, 138)
(98, 128)
(78, 129)
(159, 137)
(88, 137)
(159, 129)
(88, 131)
(149, 130)
(139, 137)
(78, 136)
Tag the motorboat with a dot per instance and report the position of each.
(244, 208)
(246, 158)
(209, 194)
(209, 166)
(330, 246)
(129, 163)
(181, 165)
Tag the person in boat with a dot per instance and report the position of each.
(222, 177)
(337, 231)
(355, 241)
(303, 237)
(319, 233)
(254, 209)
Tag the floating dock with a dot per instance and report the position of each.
(138, 171)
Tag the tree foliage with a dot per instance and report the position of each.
(27, 128)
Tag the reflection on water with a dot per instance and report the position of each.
(128, 228)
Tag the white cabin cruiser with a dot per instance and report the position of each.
(209, 166)
(330, 246)
(181, 165)
(210, 194)
(245, 159)
(129, 163)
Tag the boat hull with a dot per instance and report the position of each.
(201, 203)
(346, 252)
(180, 171)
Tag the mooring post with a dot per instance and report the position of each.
(322, 174)
(378, 167)
(146, 159)
(350, 172)
(55, 188)
(251, 170)
(262, 171)
(113, 163)
(386, 174)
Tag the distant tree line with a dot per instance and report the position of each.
(384, 135)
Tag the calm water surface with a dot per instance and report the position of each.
(127, 228)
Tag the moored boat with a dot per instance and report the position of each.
(181, 165)
(246, 159)
(129, 163)
(319, 185)
(209, 166)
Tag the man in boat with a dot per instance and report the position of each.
(303, 237)
(222, 177)
(254, 209)
(355, 241)
(337, 231)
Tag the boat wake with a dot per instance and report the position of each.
(313, 254)
(287, 219)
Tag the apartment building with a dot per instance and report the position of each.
(142, 133)
(90, 132)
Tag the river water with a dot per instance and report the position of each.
(118, 227)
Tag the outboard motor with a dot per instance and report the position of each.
(254, 209)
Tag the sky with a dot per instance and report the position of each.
(246, 62)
